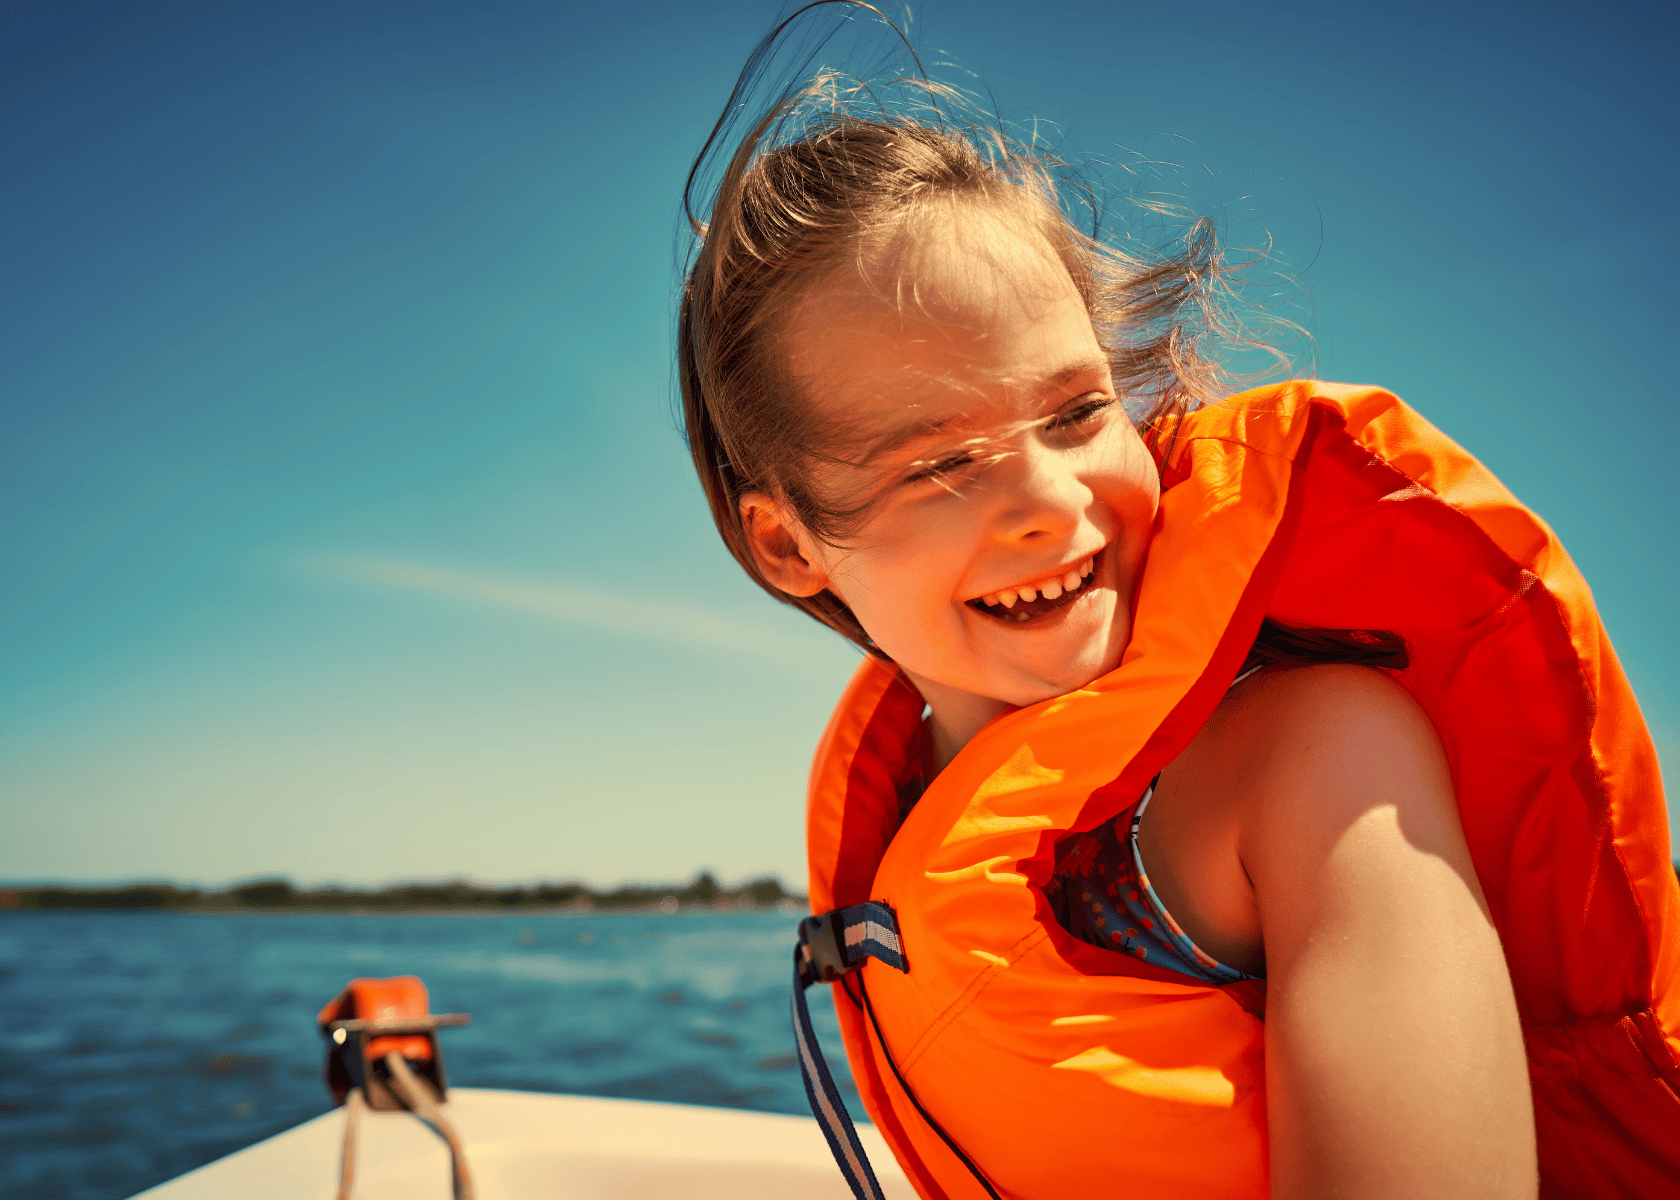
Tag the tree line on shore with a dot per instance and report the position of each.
(703, 889)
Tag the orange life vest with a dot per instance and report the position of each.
(1065, 1070)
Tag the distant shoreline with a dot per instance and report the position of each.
(455, 897)
(792, 905)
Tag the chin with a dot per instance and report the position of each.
(1074, 677)
(1079, 670)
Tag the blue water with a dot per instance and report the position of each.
(135, 1046)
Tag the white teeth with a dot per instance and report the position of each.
(1051, 589)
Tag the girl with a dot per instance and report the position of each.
(1248, 786)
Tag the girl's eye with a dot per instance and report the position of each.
(943, 467)
(1089, 410)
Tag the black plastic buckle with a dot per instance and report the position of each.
(823, 938)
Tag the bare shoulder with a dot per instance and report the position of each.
(1241, 825)
(1340, 698)
(1315, 780)
(1319, 746)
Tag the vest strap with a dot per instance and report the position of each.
(831, 945)
(837, 942)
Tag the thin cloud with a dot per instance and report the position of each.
(691, 627)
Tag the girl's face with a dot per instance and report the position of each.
(1013, 498)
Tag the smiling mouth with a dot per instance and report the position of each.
(1029, 602)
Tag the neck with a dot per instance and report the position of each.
(955, 716)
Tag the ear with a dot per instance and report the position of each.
(779, 546)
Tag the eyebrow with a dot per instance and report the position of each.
(913, 431)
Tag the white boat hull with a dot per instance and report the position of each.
(526, 1145)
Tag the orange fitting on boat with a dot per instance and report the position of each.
(382, 999)
(372, 1019)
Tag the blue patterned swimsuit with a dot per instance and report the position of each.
(1100, 893)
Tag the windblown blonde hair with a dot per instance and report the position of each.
(824, 174)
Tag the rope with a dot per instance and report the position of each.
(353, 1104)
(417, 1094)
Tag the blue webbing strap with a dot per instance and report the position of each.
(829, 947)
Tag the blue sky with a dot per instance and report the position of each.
(345, 530)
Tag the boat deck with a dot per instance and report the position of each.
(526, 1145)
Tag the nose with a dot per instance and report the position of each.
(1044, 497)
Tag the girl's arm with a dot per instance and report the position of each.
(1394, 1059)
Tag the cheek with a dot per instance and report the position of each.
(1136, 501)
(872, 583)
(1130, 480)
(1140, 522)
(900, 592)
